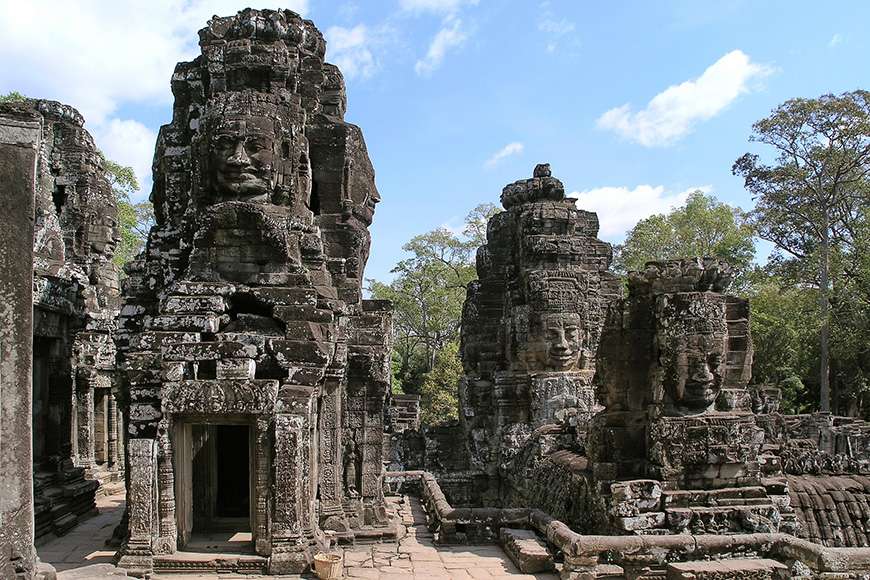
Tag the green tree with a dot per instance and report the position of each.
(703, 226)
(813, 195)
(134, 219)
(439, 401)
(428, 292)
(12, 97)
(784, 326)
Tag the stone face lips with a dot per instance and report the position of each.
(247, 302)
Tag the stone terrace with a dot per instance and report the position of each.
(83, 555)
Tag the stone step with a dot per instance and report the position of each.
(757, 569)
(528, 552)
(207, 562)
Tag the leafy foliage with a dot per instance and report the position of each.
(704, 226)
(438, 393)
(12, 97)
(812, 201)
(428, 292)
(135, 219)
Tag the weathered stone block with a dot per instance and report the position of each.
(528, 552)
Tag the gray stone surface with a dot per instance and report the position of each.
(247, 308)
(20, 135)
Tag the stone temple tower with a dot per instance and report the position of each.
(531, 325)
(255, 374)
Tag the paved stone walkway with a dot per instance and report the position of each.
(82, 555)
(86, 543)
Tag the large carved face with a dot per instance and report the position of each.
(559, 341)
(104, 234)
(697, 367)
(242, 156)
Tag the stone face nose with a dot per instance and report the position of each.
(239, 155)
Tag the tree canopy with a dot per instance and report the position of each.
(811, 200)
(704, 226)
(134, 218)
(428, 292)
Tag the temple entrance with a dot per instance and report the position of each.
(214, 487)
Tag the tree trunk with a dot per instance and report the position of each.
(825, 330)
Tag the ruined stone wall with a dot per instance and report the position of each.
(247, 302)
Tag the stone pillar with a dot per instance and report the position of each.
(84, 414)
(137, 553)
(290, 550)
(19, 144)
(168, 530)
(112, 430)
(331, 473)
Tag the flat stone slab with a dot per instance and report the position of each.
(93, 571)
(528, 552)
(756, 569)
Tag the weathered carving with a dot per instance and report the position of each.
(75, 301)
(246, 309)
(531, 323)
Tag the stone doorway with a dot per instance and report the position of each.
(215, 487)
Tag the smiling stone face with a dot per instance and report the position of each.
(698, 370)
(692, 343)
(242, 156)
(557, 341)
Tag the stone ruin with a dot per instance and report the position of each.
(586, 412)
(530, 330)
(256, 374)
(76, 444)
(619, 433)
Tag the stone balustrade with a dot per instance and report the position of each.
(583, 554)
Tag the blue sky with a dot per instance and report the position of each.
(634, 104)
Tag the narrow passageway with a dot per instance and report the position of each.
(83, 555)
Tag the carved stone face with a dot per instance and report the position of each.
(698, 365)
(242, 156)
(559, 341)
(103, 233)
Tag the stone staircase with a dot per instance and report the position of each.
(61, 497)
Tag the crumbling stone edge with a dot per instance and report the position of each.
(584, 552)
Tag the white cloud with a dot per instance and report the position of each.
(836, 40)
(674, 112)
(434, 6)
(349, 49)
(554, 27)
(514, 148)
(620, 208)
(101, 52)
(450, 36)
(103, 55)
(129, 143)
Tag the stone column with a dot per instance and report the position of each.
(290, 550)
(112, 430)
(19, 144)
(168, 530)
(331, 464)
(84, 413)
(137, 554)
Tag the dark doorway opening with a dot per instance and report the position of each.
(221, 478)
(233, 480)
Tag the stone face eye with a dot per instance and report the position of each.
(255, 145)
